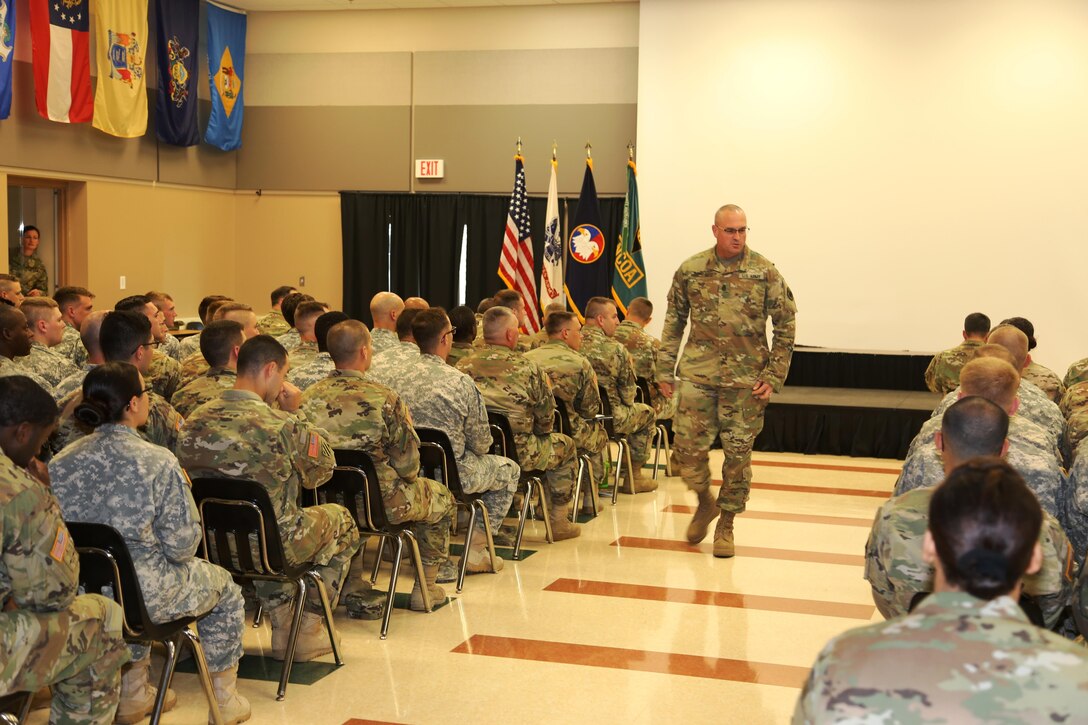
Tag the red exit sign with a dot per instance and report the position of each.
(430, 168)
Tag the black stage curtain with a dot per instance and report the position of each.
(839, 431)
(824, 368)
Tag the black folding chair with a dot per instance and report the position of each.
(661, 428)
(623, 448)
(105, 567)
(585, 466)
(354, 485)
(240, 534)
(436, 460)
(502, 444)
(15, 707)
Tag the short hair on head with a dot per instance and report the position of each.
(345, 339)
(598, 306)
(427, 328)
(509, 298)
(202, 308)
(217, 340)
(640, 307)
(232, 306)
(90, 330)
(70, 295)
(464, 319)
(996, 351)
(280, 292)
(497, 321)
(728, 209)
(258, 351)
(1023, 325)
(309, 310)
(485, 304)
(121, 333)
(134, 303)
(985, 523)
(556, 321)
(11, 316)
(38, 308)
(976, 323)
(1012, 339)
(553, 307)
(158, 298)
(31, 228)
(24, 401)
(215, 306)
(404, 322)
(974, 426)
(323, 324)
(290, 304)
(107, 390)
(993, 379)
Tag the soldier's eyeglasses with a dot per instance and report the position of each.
(730, 231)
(451, 331)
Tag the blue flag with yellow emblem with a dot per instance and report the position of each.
(7, 54)
(587, 263)
(226, 75)
(629, 272)
(176, 105)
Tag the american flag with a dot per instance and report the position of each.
(516, 259)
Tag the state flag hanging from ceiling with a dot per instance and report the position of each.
(7, 54)
(587, 264)
(120, 101)
(226, 75)
(177, 23)
(62, 66)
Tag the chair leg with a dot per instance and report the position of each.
(417, 562)
(658, 432)
(202, 671)
(521, 519)
(392, 584)
(378, 560)
(487, 530)
(588, 463)
(258, 615)
(630, 468)
(330, 627)
(668, 451)
(292, 639)
(575, 503)
(167, 674)
(468, 545)
(545, 504)
(619, 461)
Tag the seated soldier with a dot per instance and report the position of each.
(321, 365)
(616, 374)
(464, 324)
(893, 555)
(164, 372)
(387, 366)
(1044, 378)
(511, 300)
(171, 346)
(15, 343)
(73, 643)
(444, 398)
(220, 342)
(191, 344)
(943, 374)
(385, 308)
(75, 304)
(89, 332)
(46, 331)
(519, 389)
(291, 339)
(272, 323)
(1076, 514)
(575, 383)
(306, 315)
(114, 477)
(361, 415)
(1077, 373)
(643, 348)
(195, 365)
(540, 337)
(11, 290)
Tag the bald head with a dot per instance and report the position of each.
(416, 303)
(88, 333)
(724, 210)
(1012, 340)
(385, 308)
(993, 379)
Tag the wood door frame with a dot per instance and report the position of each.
(60, 241)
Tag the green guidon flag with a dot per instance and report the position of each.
(629, 275)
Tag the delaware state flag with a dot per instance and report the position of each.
(7, 54)
(178, 61)
(62, 66)
(120, 103)
(226, 75)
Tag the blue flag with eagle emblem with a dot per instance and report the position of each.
(7, 54)
(629, 275)
(587, 263)
(226, 75)
(175, 108)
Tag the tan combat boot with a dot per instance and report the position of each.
(562, 528)
(479, 559)
(437, 593)
(313, 638)
(138, 695)
(642, 483)
(233, 708)
(723, 536)
(700, 522)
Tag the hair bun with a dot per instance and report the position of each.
(91, 413)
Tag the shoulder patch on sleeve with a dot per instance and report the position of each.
(313, 448)
(60, 543)
(180, 422)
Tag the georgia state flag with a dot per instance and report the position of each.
(62, 66)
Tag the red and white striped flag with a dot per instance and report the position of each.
(516, 258)
(62, 67)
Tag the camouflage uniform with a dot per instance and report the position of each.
(519, 389)
(239, 436)
(1075, 398)
(725, 355)
(72, 383)
(615, 372)
(1047, 381)
(192, 367)
(171, 347)
(114, 477)
(524, 343)
(203, 388)
(943, 373)
(290, 340)
(189, 345)
(30, 271)
(955, 659)
(164, 375)
(1077, 373)
(71, 346)
(1034, 405)
(1075, 520)
(303, 354)
(390, 365)
(896, 571)
(1076, 430)
(12, 367)
(644, 351)
(48, 635)
(272, 324)
(361, 415)
(312, 372)
(538, 338)
(49, 365)
(446, 399)
(459, 352)
(162, 426)
(575, 383)
(382, 340)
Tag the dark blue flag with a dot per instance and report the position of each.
(175, 109)
(7, 54)
(226, 74)
(588, 273)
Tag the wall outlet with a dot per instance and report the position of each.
(302, 281)
(123, 282)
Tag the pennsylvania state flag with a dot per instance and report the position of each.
(175, 107)
(226, 75)
(629, 275)
(120, 101)
(587, 267)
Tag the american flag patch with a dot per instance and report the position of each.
(60, 544)
(315, 445)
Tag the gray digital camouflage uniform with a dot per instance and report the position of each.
(728, 304)
(388, 366)
(519, 389)
(361, 415)
(201, 389)
(71, 383)
(1046, 379)
(943, 373)
(48, 635)
(272, 323)
(1034, 405)
(71, 346)
(616, 374)
(162, 427)
(382, 340)
(189, 345)
(1075, 519)
(896, 571)
(12, 367)
(49, 365)
(171, 347)
(114, 477)
(304, 353)
(312, 372)
(290, 340)
(239, 436)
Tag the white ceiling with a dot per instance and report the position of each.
(271, 5)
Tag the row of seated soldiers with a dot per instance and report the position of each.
(1029, 430)
(246, 420)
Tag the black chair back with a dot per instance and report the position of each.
(437, 461)
(606, 413)
(562, 416)
(642, 391)
(240, 530)
(502, 436)
(354, 485)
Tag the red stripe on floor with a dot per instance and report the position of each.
(754, 552)
(711, 598)
(776, 516)
(827, 467)
(666, 663)
(868, 492)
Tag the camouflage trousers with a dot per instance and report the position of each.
(555, 454)
(429, 506)
(496, 477)
(591, 438)
(326, 535)
(734, 416)
(637, 423)
(78, 650)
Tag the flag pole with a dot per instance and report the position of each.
(555, 149)
(630, 151)
(519, 146)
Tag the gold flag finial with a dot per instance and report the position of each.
(630, 151)
(589, 150)
(555, 149)
(519, 145)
